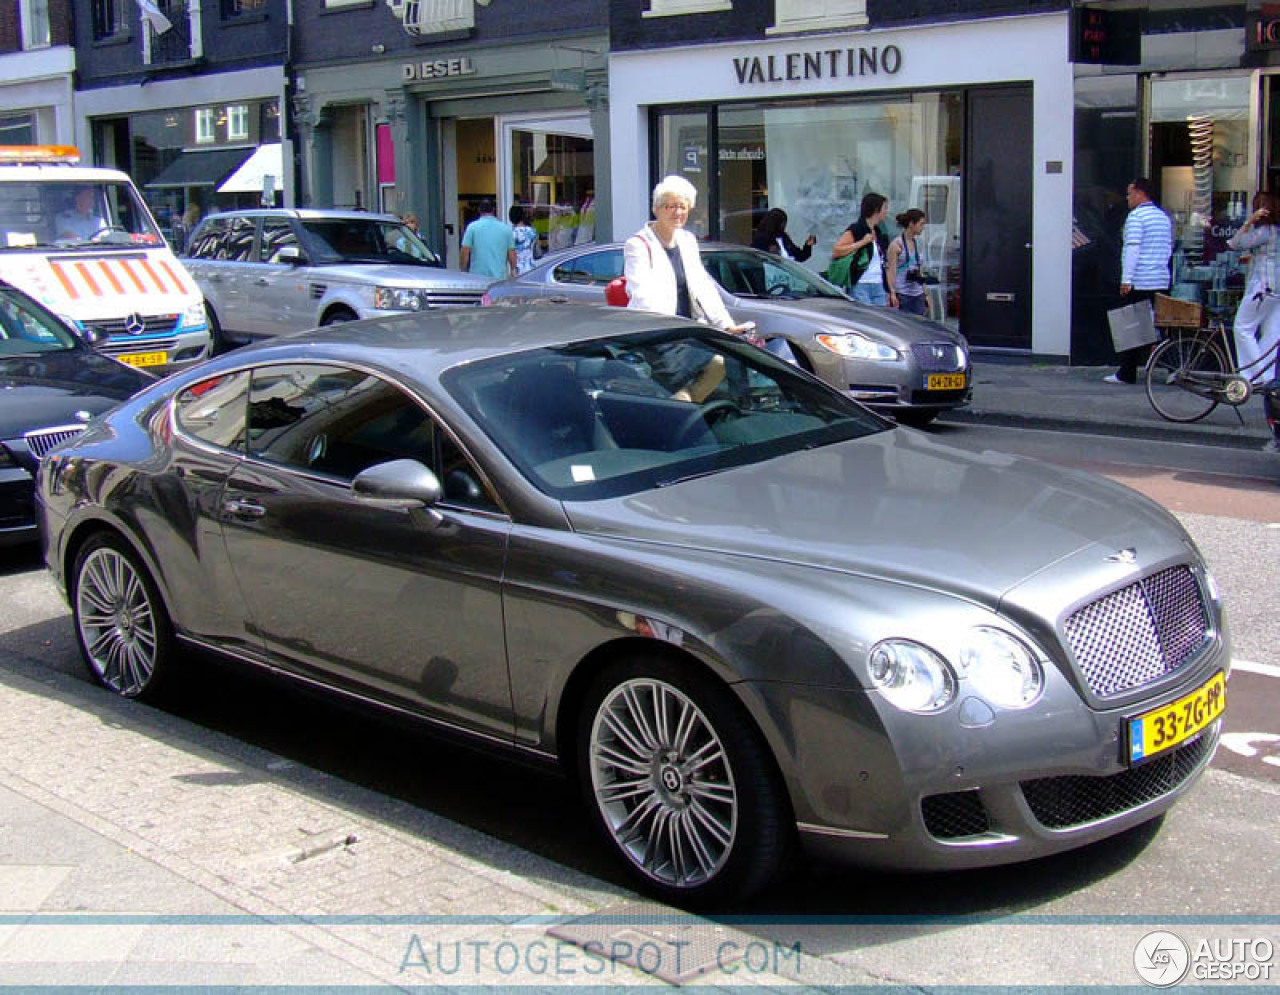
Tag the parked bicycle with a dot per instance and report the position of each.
(1192, 371)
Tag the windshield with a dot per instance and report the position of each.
(27, 329)
(72, 214)
(360, 240)
(625, 414)
(750, 273)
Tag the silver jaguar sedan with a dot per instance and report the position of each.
(896, 363)
(746, 613)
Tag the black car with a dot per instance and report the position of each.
(51, 384)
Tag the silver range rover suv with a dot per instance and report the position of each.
(271, 271)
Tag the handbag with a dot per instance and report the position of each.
(1132, 326)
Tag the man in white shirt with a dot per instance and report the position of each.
(83, 222)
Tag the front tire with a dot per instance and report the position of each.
(124, 632)
(337, 316)
(681, 784)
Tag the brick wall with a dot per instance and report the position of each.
(60, 32)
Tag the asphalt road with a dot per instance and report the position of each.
(1208, 857)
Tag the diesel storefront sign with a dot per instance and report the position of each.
(437, 68)
(826, 63)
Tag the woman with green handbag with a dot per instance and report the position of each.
(863, 245)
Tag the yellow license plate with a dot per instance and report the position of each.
(145, 358)
(944, 381)
(1164, 728)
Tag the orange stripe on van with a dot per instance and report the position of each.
(152, 273)
(66, 283)
(88, 278)
(172, 275)
(111, 277)
(128, 268)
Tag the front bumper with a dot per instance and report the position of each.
(874, 786)
(17, 506)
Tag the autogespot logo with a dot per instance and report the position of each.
(1161, 959)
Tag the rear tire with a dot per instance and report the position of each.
(217, 338)
(125, 636)
(680, 782)
(1182, 361)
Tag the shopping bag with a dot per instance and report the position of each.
(1132, 326)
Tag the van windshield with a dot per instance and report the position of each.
(73, 214)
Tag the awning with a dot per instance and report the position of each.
(265, 161)
(198, 169)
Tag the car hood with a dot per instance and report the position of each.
(898, 506)
(387, 274)
(49, 389)
(884, 324)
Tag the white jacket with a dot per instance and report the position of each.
(651, 281)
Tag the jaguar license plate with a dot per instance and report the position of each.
(144, 358)
(1163, 728)
(944, 381)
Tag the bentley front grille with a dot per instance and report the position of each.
(1139, 633)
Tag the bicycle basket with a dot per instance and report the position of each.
(1172, 312)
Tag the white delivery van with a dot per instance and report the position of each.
(81, 241)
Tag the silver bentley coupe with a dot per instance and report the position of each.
(749, 616)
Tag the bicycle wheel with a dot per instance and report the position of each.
(1184, 376)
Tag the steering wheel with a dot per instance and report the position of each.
(704, 414)
(106, 230)
(779, 289)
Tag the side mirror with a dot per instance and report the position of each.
(403, 483)
(90, 335)
(291, 255)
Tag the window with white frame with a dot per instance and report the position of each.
(429, 17)
(817, 15)
(238, 122)
(35, 23)
(205, 127)
(670, 8)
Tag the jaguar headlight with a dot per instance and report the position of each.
(854, 345)
(1001, 668)
(398, 299)
(911, 676)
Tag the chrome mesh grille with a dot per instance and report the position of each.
(129, 345)
(46, 438)
(1139, 633)
(938, 357)
(1062, 802)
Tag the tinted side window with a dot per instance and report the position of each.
(214, 410)
(459, 478)
(595, 269)
(207, 242)
(277, 233)
(338, 422)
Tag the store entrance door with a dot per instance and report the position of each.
(997, 225)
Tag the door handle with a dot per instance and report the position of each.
(1001, 298)
(214, 277)
(559, 299)
(243, 508)
(262, 281)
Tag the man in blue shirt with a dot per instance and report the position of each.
(1144, 268)
(488, 245)
(80, 221)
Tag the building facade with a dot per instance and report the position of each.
(188, 97)
(433, 106)
(37, 69)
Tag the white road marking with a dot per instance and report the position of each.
(1266, 669)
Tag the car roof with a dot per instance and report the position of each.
(424, 345)
(303, 214)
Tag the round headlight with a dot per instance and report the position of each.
(1001, 668)
(911, 676)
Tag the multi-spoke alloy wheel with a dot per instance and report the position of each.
(663, 783)
(681, 783)
(120, 622)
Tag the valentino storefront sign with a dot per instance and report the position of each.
(437, 68)
(827, 63)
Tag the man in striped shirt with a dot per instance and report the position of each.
(1148, 246)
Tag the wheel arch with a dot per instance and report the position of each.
(86, 529)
